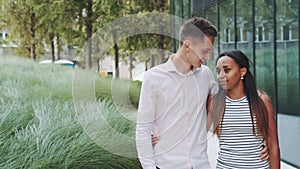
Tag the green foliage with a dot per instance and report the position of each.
(104, 87)
(38, 24)
(19, 17)
(39, 127)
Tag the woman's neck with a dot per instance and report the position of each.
(236, 94)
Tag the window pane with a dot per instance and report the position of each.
(245, 27)
(227, 25)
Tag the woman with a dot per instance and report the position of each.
(243, 116)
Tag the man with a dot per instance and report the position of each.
(173, 103)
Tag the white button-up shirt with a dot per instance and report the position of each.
(173, 106)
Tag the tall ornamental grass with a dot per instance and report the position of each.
(39, 127)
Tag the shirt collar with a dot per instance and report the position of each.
(172, 68)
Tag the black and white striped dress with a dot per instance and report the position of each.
(239, 148)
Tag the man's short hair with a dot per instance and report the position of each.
(196, 28)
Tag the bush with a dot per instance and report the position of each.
(39, 126)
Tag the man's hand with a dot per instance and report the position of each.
(264, 153)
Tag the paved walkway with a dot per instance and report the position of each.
(289, 138)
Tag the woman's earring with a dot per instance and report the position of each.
(242, 77)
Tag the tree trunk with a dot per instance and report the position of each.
(130, 65)
(89, 53)
(146, 65)
(116, 48)
(58, 46)
(51, 37)
(33, 45)
(98, 65)
(33, 54)
(160, 46)
(160, 43)
(89, 28)
(152, 61)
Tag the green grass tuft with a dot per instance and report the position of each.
(39, 126)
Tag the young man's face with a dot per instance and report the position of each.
(200, 51)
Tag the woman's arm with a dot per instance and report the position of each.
(272, 140)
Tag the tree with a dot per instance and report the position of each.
(123, 8)
(21, 19)
(85, 15)
(115, 11)
(162, 6)
(64, 18)
(51, 20)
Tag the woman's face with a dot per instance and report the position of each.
(229, 73)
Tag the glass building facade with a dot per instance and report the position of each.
(268, 33)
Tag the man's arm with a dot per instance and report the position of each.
(264, 154)
(209, 120)
(144, 126)
(213, 90)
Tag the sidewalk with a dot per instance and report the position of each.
(289, 138)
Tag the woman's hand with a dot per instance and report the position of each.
(154, 140)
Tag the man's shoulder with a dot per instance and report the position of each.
(204, 69)
(158, 69)
(156, 73)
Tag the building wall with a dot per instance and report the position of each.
(268, 33)
(107, 68)
(269, 36)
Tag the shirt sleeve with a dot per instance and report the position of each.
(145, 120)
(213, 85)
(212, 118)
